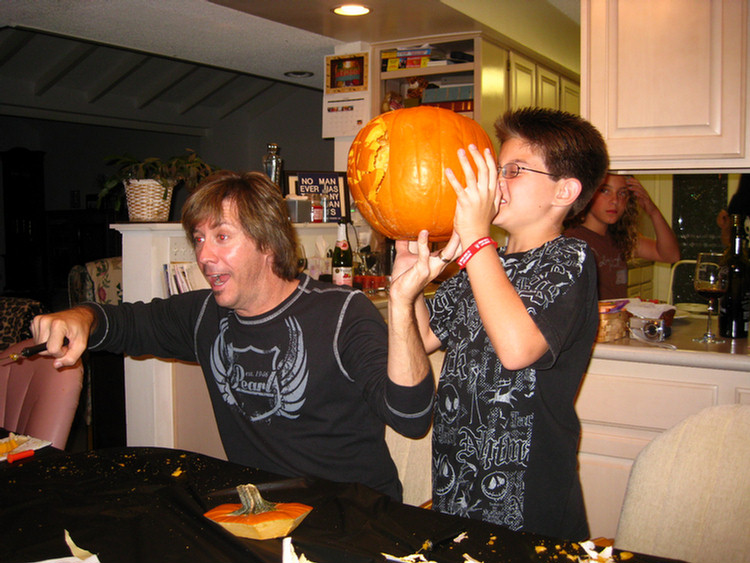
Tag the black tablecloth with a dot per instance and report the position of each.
(138, 505)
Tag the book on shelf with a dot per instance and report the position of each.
(398, 63)
(448, 93)
(181, 277)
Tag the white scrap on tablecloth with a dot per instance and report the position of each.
(288, 555)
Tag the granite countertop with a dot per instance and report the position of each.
(732, 354)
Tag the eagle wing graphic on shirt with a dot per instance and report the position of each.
(262, 383)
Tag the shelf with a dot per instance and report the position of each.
(427, 71)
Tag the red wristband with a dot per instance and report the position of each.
(473, 249)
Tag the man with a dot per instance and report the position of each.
(517, 326)
(297, 370)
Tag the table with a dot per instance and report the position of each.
(147, 504)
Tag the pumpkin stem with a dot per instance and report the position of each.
(252, 502)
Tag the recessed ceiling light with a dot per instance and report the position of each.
(298, 74)
(351, 10)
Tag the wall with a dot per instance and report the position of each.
(76, 153)
(533, 25)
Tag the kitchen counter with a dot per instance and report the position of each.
(633, 391)
(732, 354)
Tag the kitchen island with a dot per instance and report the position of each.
(634, 391)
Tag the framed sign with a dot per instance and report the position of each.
(331, 184)
(346, 73)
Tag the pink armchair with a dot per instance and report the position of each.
(37, 399)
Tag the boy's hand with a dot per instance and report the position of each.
(477, 204)
(75, 324)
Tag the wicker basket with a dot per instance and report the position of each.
(612, 326)
(148, 201)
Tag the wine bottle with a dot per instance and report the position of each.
(734, 306)
(342, 262)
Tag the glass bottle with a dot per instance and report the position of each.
(734, 305)
(273, 164)
(324, 204)
(342, 263)
(316, 209)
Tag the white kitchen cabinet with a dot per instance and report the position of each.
(632, 393)
(533, 85)
(570, 96)
(523, 81)
(547, 88)
(666, 82)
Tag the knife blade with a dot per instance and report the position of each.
(31, 351)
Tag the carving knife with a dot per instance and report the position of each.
(30, 351)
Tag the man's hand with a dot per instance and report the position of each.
(75, 324)
(415, 266)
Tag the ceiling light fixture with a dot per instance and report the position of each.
(351, 10)
(298, 74)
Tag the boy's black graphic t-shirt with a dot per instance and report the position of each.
(505, 442)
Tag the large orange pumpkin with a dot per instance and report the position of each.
(396, 169)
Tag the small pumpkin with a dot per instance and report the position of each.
(256, 518)
(396, 169)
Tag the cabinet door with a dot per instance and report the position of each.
(522, 82)
(547, 88)
(570, 96)
(666, 82)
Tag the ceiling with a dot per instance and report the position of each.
(184, 65)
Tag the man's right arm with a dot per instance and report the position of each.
(410, 338)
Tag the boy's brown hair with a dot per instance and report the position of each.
(570, 146)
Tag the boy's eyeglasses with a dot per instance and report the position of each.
(511, 170)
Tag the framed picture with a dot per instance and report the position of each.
(332, 184)
(346, 73)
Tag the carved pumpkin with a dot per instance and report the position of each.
(257, 518)
(396, 169)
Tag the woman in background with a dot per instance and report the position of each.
(609, 226)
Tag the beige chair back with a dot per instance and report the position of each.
(688, 495)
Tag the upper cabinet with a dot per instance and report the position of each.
(468, 73)
(533, 85)
(666, 82)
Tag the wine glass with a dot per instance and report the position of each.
(710, 281)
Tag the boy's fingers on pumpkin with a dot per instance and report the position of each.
(468, 169)
(455, 184)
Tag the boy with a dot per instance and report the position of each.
(517, 326)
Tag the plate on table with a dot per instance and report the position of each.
(28, 443)
(691, 308)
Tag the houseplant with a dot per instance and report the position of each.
(147, 185)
